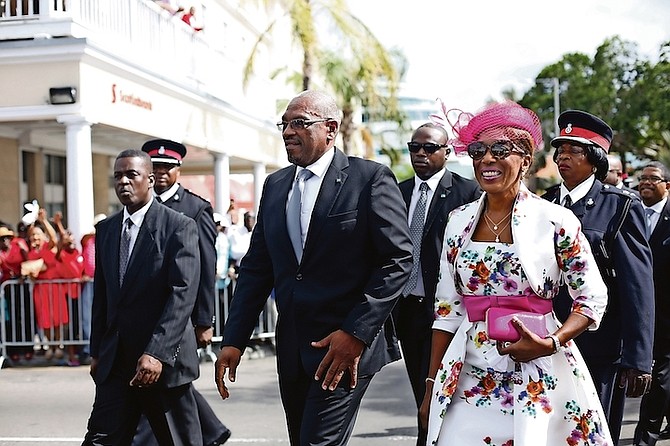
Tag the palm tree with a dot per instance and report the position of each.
(361, 72)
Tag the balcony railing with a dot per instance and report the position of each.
(144, 35)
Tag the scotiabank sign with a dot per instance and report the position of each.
(119, 96)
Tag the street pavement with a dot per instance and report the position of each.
(50, 405)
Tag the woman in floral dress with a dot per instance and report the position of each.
(511, 249)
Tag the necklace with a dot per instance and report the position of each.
(493, 226)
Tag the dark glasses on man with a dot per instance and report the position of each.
(428, 147)
(499, 149)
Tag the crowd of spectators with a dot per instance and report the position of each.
(58, 310)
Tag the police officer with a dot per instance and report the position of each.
(167, 157)
(619, 353)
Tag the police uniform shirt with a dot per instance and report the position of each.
(578, 192)
(432, 182)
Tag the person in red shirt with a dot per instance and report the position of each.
(71, 267)
(13, 251)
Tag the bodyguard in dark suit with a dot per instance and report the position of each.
(444, 191)
(653, 186)
(332, 240)
(619, 353)
(167, 157)
(143, 346)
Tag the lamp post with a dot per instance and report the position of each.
(557, 101)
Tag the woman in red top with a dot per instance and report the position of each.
(13, 251)
(71, 267)
(50, 305)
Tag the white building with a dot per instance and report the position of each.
(81, 80)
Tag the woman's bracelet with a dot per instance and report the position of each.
(555, 341)
(432, 380)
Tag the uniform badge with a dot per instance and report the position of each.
(590, 202)
(568, 129)
(161, 150)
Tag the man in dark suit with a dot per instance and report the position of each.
(444, 191)
(653, 186)
(619, 353)
(167, 157)
(143, 348)
(615, 175)
(332, 240)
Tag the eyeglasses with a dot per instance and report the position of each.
(652, 179)
(499, 150)
(298, 124)
(428, 147)
(572, 150)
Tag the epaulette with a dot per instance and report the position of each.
(196, 195)
(609, 189)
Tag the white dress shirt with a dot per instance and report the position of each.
(137, 218)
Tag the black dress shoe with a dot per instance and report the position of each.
(222, 439)
(664, 434)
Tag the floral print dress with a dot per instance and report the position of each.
(492, 400)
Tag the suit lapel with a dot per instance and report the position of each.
(662, 229)
(112, 246)
(332, 184)
(143, 244)
(439, 200)
(406, 190)
(276, 205)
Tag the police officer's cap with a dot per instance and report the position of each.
(583, 128)
(165, 151)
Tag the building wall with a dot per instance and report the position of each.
(10, 206)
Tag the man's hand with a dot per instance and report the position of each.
(635, 382)
(344, 352)
(147, 372)
(229, 358)
(203, 335)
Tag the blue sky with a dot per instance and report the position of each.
(465, 52)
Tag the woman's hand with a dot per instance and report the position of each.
(529, 347)
(424, 409)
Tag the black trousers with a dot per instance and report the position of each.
(612, 397)
(321, 417)
(412, 319)
(172, 414)
(654, 404)
(213, 430)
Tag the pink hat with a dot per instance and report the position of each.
(506, 114)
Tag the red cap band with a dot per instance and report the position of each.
(165, 152)
(587, 134)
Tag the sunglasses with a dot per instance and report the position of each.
(297, 124)
(499, 150)
(428, 147)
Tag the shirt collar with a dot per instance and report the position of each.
(658, 207)
(579, 191)
(165, 196)
(432, 182)
(137, 217)
(320, 166)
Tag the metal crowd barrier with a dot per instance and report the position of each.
(19, 327)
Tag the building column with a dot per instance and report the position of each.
(79, 174)
(221, 182)
(259, 179)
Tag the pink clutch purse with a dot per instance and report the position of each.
(500, 328)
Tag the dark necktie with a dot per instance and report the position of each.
(293, 211)
(416, 234)
(124, 249)
(567, 201)
(648, 212)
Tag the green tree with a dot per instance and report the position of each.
(629, 92)
(356, 67)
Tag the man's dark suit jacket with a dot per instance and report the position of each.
(660, 250)
(626, 331)
(186, 202)
(452, 192)
(356, 259)
(151, 312)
